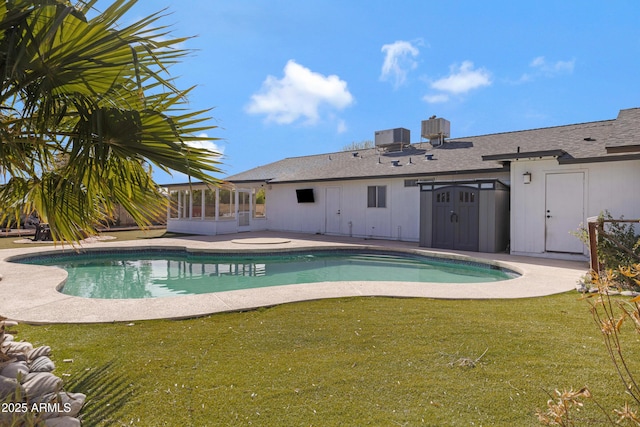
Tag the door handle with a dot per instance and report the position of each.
(453, 214)
(338, 212)
(548, 216)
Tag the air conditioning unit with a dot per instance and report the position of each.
(435, 130)
(395, 136)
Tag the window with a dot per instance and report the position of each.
(443, 197)
(210, 203)
(173, 204)
(186, 200)
(227, 204)
(196, 200)
(377, 196)
(259, 203)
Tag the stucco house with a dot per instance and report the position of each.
(524, 192)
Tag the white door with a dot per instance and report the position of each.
(564, 211)
(332, 210)
(244, 209)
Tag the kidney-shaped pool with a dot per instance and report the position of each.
(160, 273)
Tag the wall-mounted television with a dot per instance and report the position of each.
(305, 195)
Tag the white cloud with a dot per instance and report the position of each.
(552, 69)
(398, 61)
(299, 94)
(436, 99)
(540, 67)
(342, 126)
(463, 79)
(207, 145)
(537, 62)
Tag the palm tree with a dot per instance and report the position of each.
(87, 108)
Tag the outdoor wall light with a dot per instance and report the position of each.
(526, 178)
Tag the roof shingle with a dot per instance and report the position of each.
(583, 142)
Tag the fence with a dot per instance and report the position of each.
(596, 229)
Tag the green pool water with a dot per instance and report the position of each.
(161, 275)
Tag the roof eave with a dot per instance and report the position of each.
(404, 176)
(614, 149)
(600, 159)
(525, 155)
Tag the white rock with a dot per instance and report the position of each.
(75, 401)
(630, 293)
(43, 350)
(8, 386)
(14, 369)
(42, 364)
(62, 403)
(13, 347)
(9, 323)
(62, 422)
(39, 383)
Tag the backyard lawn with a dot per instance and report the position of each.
(352, 361)
(337, 362)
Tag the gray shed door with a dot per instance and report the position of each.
(455, 218)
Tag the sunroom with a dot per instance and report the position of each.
(201, 209)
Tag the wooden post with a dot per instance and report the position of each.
(593, 244)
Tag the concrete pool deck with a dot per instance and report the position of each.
(29, 292)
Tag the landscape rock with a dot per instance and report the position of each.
(9, 323)
(630, 293)
(15, 347)
(42, 364)
(26, 378)
(20, 357)
(39, 383)
(9, 386)
(75, 401)
(62, 403)
(14, 369)
(62, 422)
(43, 350)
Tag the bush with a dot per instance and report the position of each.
(618, 246)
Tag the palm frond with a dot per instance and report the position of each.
(99, 96)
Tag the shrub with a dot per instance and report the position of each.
(610, 313)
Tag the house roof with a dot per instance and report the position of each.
(609, 140)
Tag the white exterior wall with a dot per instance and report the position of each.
(210, 227)
(609, 186)
(398, 220)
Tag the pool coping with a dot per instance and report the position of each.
(30, 295)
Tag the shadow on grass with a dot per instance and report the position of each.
(107, 392)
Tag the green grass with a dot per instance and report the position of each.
(337, 362)
(9, 242)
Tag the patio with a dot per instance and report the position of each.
(30, 295)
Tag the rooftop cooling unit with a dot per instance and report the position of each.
(397, 136)
(435, 130)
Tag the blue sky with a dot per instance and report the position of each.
(298, 78)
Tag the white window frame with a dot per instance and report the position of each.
(377, 196)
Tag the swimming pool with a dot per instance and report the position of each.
(163, 273)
